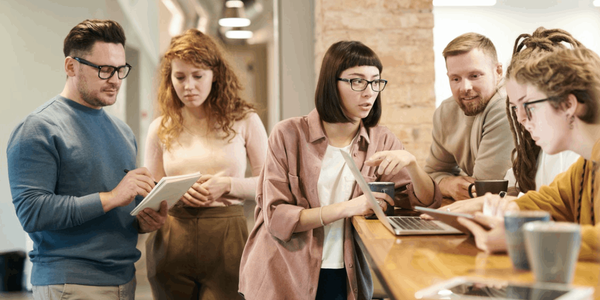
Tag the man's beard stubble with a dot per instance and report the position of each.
(93, 100)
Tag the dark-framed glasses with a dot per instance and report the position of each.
(359, 84)
(529, 109)
(106, 71)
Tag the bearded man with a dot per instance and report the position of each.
(471, 135)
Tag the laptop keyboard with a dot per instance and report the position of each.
(414, 223)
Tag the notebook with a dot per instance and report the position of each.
(398, 225)
(169, 188)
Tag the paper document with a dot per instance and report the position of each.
(170, 189)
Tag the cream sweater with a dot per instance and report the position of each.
(477, 146)
(211, 155)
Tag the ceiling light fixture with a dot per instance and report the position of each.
(234, 15)
(464, 2)
(239, 34)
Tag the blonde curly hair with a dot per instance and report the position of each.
(562, 73)
(525, 154)
(223, 102)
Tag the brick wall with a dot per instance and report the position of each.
(401, 33)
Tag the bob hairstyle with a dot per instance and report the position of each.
(223, 104)
(341, 56)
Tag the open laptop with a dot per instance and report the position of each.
(398, 225)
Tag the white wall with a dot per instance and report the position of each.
(296, 39)
(503, 22)
(32, 62)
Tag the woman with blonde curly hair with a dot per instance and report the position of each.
(557, 96)
(533, 168)
(203, 126)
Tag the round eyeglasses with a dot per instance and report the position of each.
(106, 71)
(359, 84)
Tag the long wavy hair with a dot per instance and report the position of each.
(223, 104)
(525, 154)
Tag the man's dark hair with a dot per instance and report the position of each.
(84, 35)
(340, 57)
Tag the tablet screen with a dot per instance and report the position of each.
(507, 291)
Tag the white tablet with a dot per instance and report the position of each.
(479, 289)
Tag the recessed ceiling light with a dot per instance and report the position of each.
(465, 2)
(239, 34)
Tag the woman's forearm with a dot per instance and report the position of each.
(422, 184)
(311, 218)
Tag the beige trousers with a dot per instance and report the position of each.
(77, 292)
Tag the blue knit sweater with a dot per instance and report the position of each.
(59, 159)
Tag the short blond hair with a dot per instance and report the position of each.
(469, 41)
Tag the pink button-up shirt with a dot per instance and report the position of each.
(280, 264)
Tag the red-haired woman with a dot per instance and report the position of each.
(204, 126)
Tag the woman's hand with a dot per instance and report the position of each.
(206, 190)
(490, 241)
(362, 206)
(490, 205)
(495, 205)
(391, 162)
(470, 206)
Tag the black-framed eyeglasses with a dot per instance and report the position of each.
(530, 109)
(359, 84)
(106, 71)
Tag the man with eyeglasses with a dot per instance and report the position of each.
(471, 135)
(65, 165)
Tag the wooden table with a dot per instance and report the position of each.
(407, 264)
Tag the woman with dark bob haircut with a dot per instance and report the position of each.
(302, 245)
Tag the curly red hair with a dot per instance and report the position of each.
(223, 102)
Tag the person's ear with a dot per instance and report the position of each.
(572, 106)
(70, 66)
(499, 70)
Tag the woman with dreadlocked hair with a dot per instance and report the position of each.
(532, 167)
(556, 95)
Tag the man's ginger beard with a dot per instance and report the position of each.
(474, 108)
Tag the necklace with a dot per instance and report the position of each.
(581, 192)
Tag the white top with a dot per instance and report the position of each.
(334, 185)
(548, 166)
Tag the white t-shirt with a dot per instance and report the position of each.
(548, 166)
(334, 185)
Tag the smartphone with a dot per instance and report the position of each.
(480, 289)
(450, 218)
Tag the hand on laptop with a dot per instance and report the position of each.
(362, 206)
